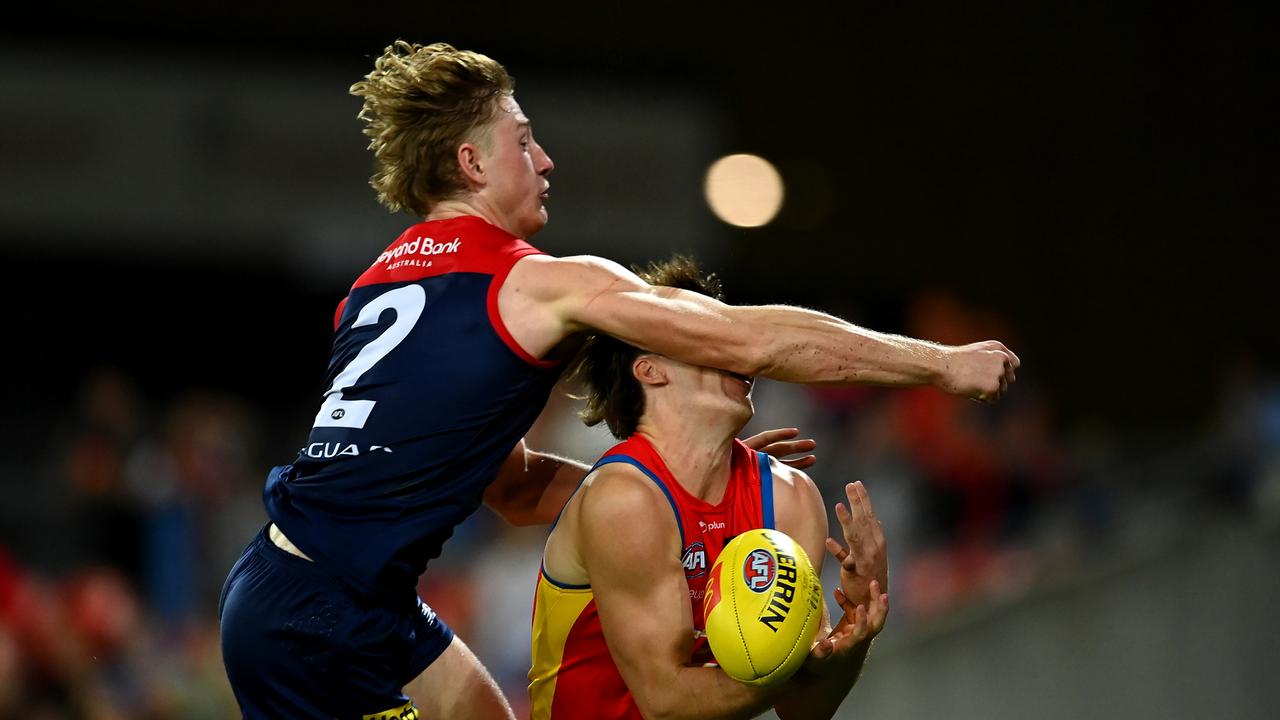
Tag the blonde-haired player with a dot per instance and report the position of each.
(444, 353)
(619, 600)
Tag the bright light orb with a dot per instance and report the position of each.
(744, 190)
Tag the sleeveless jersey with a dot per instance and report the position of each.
(427, 393)
(573, 674)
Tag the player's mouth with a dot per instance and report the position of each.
(546, 193)
(744, 379)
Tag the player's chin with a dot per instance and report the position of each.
(742, 408)
(533, 223)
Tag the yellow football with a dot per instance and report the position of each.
(763, 607)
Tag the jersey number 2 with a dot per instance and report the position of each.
(407, 302)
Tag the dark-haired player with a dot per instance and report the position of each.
(619, 608)
(445, 351)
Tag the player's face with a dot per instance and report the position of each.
(517, 169)
(714, 389)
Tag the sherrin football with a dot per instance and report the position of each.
(763, 607)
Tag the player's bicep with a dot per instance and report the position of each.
(691, 327)
(630, 547)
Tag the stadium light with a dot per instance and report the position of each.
(744, 190)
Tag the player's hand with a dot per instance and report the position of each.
(981, 371)
(865, 559)
(780, 443)
(859, 625)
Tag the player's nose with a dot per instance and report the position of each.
(545, 165)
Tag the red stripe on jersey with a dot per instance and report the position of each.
(337, 314)
(495, 318)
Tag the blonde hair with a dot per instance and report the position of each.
(421, 102)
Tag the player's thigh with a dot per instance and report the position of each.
(458, 685)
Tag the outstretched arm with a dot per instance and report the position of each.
(554, 297)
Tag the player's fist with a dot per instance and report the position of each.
(981, 371)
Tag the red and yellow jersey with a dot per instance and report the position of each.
(573, 675)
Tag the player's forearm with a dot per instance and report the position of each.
(805, 346)
(705, 693)
(811, 696)
(563, 476)
(532, 486)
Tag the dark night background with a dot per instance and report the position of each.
(1096, 176)
(183, 202)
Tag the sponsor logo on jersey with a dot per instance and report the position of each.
(705, 526)
(330, 450)
(695, 560)
(759, 570)
(426, 611)
(423, 246)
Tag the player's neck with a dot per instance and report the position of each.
(698, 455)
(475, 206)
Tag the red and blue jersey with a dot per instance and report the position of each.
(426, 394)
(573, 675)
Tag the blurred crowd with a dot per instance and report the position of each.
(111, 557)
(118, 534)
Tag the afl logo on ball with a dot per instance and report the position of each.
(759, 570)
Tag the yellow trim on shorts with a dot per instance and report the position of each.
(406, 711)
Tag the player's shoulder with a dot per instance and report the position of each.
(621, 485)
(787, 479)
(620, 493)
(795, 495)
(548, 275)
(623, 507)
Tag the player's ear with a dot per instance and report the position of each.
(469, 163)
(649, 371)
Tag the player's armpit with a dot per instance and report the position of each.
(630, 545)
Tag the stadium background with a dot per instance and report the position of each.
(183, 202)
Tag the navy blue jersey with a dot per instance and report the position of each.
(427, 393)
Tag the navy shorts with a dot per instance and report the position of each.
(298, 644)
